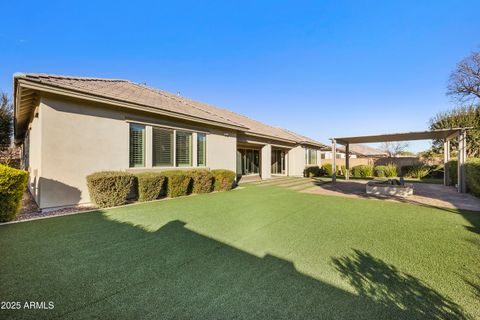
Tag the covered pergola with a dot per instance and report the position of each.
(444, 134)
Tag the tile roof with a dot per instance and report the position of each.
(127, 91)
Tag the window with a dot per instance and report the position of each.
(162, 144)
(310, 156)
(201, 149)
(137, 145)
(183, 149)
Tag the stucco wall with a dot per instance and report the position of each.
(78, 139)
(34, 155)
(296, 161)
(222, 150)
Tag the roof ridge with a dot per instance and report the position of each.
(55, 76)
(171, 96)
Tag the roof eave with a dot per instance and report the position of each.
(28, 83)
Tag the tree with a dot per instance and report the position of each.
(464, 82)
(6, 121)
(459, 117)
(393, 148)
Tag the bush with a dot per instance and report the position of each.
(223, 179)
(436, 171)
(418, 171)
(110, 188)
(178, 183)
(13, 184)
(390, 170)
(202, 180)
(151, 186)
(313, 171)
(362, 171)
(472, 172)
(453, 172)
(343, 170)
(379, 171)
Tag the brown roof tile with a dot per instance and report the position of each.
(127, 91)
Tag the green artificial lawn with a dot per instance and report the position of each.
(256, 253)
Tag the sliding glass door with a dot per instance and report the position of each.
(278, 161)
(248, 161)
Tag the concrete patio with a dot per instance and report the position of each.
(424, 194)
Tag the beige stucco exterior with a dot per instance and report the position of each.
(70, 138)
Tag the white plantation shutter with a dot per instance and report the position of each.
(137, 145)
(162, 145)
(183, 149)
(201, 149)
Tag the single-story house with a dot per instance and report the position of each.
(69, 127)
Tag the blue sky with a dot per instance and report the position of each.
(321, 68)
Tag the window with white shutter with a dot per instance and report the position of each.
(183, 144)
(162, 144)
(137, 145)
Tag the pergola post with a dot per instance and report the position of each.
(334, 159)
(446, 159)
(347, 161)
(462, 155)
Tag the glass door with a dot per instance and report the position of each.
(278, 162)
(248, 161)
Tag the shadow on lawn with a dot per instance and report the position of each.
(386, 285)
(92, 267)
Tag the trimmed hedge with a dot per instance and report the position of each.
(223, 180)
(362, 171)
(110, 188)
(452, 172)
(13, 183)
(312, 171)
(151, 186)
(178, 183)
(379, 171)
(202, 180)
(472, 172)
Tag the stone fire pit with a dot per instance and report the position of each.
(391, 187)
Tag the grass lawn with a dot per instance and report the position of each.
(255, 252)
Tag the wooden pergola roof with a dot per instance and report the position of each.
(406, 136)
(442, 134)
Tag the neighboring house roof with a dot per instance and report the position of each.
(138, 94)
(361, 150)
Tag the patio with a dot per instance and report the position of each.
(425, 194)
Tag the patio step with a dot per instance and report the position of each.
(302, 186)
(274, 182)
(295, 182)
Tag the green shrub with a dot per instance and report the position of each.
(472, 173)
(13, 184)
(453, 172)
(223, 179)
(390, 170)
(202, 180)
(150, 186)
(327, 169)
(178, 183)
(418, 171)
(362, 171)
(404, 170)
(379, 171)
(436, 171)
(110, 188)
(312, 171)
(343, 170)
